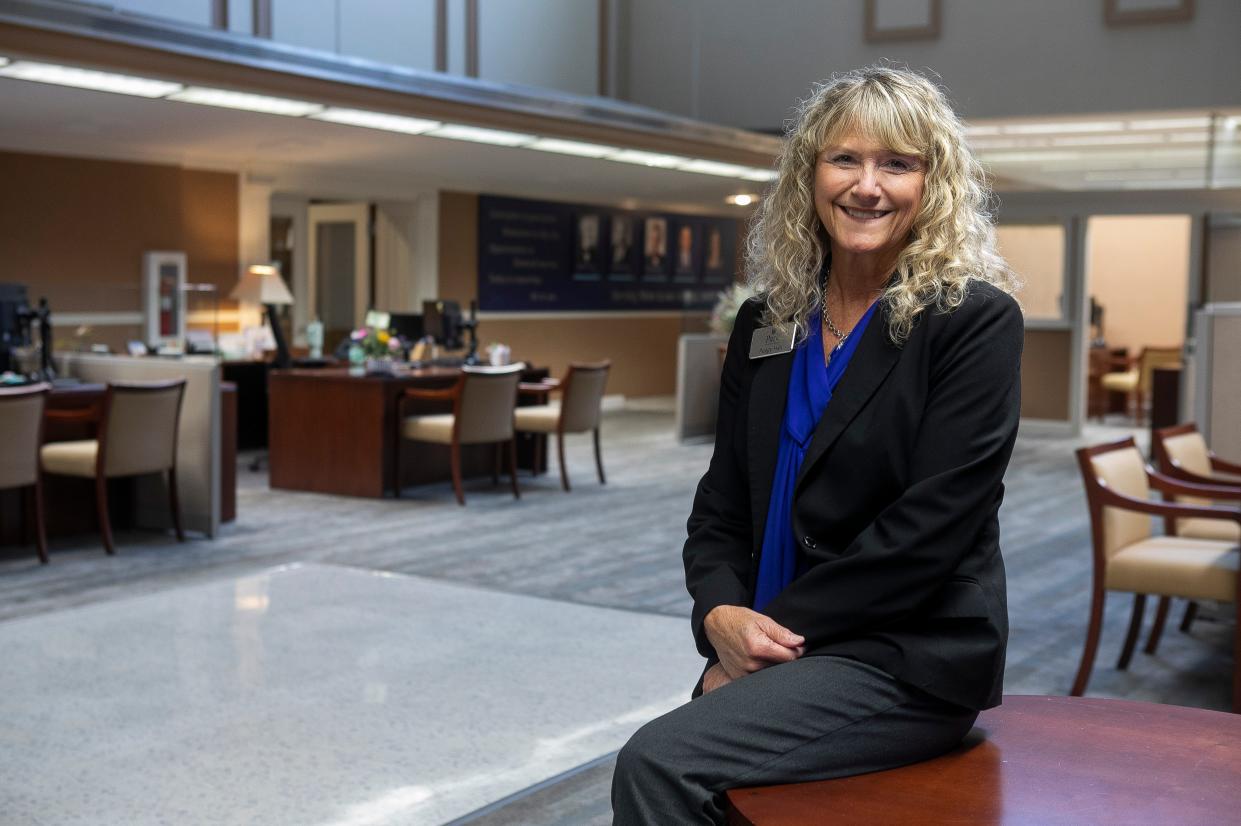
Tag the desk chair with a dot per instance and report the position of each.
(137, 434)
(1182, 453)
(1128, 558)
(581, 403)
(1136, 380)
(21, 422)
(482, 400)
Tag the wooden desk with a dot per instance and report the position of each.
(1039, 760)
(333, 432)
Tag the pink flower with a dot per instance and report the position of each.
(358, 334)
(394, 344)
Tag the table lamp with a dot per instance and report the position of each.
(262, 284)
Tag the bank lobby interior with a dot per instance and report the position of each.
(327, 241)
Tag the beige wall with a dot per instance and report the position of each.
(1137, 267)
(74, 230)
(643, 349)
(1036, 253)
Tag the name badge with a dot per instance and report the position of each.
(772, 341)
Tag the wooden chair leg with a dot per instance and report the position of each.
(1191, 613)
(1161, 617)
(1092, 643)
(540, 444)
(456, 474)
(396, 462)
(564, 471)
(599, 459)
(512, 466)
(40, 525)
(101, 510)
(1131, 637)
(175, 504)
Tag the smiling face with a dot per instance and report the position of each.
(867, 197)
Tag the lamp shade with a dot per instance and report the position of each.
(262, 284)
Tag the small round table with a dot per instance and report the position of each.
(1039, 760)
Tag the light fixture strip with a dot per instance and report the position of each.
(478, 134)
(88, 79)
(1066, 127)
(246, 101)
(376, 120)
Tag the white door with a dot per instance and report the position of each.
(339, 264)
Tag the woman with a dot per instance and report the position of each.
(843, 550)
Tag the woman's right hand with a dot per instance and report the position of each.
(747, 641)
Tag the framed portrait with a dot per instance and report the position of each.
(586, 247)
(889, 20)
(1139, 12)
(685, 259)
(655, 248)
(719, 252)
(621, 249)
(163, 279)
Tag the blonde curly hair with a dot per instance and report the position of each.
(952, 239)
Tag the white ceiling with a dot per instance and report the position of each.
(326, 160)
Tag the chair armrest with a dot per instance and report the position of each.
(1179, 473)
(1107, 496)
(1168, 484)
(78, 414)
(445, 394)
(539, 390)
(1224, 465)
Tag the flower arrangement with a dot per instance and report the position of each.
(724, 315)
(374, 343)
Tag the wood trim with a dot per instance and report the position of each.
(1113, 15)
(441, 35)
(471, 38)
(219, 14)
(930, 31)
(605, 52)
(262, 18)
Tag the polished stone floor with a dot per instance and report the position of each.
(313, 694)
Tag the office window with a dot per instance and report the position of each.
(1036, 253)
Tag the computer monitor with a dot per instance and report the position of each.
(408, 326)
(442, 321)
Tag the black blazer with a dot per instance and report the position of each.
(896, 503)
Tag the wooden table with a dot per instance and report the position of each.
(1039, 760)
(330, 431)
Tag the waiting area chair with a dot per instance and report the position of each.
(483, 400)
(581, 403)
(21, 422)
(136, 434)
(1128, 557)
(1182, 453)
(1135, 381)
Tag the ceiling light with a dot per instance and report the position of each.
(246, 101)
(741, 199)
(1029, 157)
(1064, 127)
(1171, 123)
(4, 61)
(975, 131)
(756, 174)
(584, 150)
(1105, 140)
(1189, 137)
(641, 158)
(724, 170)
(477, 134)
(88, 79)
(376, 120)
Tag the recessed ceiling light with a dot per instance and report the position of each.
(753, 173)
(477, 134)
(724, 170)
(1171, 123)
(246, 101)
(585, 150)
(88, 79)
(655, 159)
(1063, 128)
(376, 120)
(741, 199)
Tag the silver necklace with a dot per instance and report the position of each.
(827, 317)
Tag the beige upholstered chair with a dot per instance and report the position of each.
(137, 434)
(1127, 557)
(1182, 453)
(482, 412)
(1136, 381)
(21, 422)
(580, 405)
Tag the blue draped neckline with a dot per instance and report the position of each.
(811, 383)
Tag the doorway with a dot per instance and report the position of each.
(339, 264)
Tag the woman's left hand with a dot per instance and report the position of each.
(716, 677)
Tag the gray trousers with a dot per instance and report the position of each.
(810, 719)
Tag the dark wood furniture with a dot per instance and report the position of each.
(334, 432)
(1104, 360)
(1038, 760)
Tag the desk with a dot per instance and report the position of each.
(333, 432)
